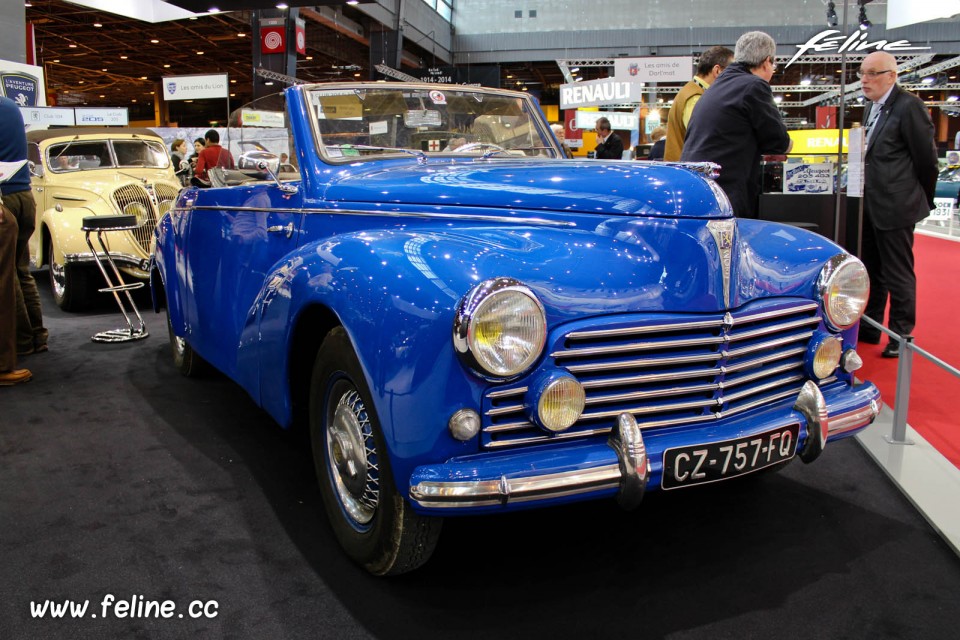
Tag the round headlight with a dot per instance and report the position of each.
(138, 210)
(844, 287)
(825, 356)
(500, 328)
(559, 403)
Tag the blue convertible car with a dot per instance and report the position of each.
(471, 324)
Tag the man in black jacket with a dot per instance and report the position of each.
(736, 122)
(610, 145)
(901, 176)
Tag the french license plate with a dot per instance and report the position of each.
(700, 464)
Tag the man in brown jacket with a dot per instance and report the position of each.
(713, 61)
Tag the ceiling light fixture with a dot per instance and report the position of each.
(862, 18)
(282, 5)
(832, 20)
(97, 25)
(806, 81)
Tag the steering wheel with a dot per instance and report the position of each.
(470, 146)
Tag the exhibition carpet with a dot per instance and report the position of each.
(933, 409)
(121, 478)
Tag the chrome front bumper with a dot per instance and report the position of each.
(626, 467)
(122, 259)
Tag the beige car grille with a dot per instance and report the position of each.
(135, 199)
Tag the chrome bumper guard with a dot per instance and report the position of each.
(631, 472)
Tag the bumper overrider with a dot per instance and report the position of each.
(627, 463)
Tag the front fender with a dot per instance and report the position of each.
(63, 227)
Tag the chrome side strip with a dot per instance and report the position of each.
(390, 214)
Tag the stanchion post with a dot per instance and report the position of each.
(904, 369)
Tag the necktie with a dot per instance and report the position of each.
(874, 116)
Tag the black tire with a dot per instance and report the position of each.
(69, 283)
(185, 358)
(373, 523)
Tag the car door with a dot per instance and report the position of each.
(234, 237)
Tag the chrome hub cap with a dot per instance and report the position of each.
(352, 459)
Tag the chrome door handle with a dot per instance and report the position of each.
(287, 229)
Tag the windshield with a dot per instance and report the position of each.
(81, 155)
(388, 119)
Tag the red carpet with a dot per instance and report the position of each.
(934, 392)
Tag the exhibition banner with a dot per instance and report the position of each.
(301, 36)
(654, 69)
(40, 116)
(115, 116)
(196, 87)
(22, 83)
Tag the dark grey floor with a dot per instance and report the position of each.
(120, 477)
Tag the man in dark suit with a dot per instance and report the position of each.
(610, 146)
(901, 176)
(736, 122)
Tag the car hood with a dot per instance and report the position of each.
(607, 188)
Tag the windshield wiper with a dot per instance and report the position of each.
(419, 155)
(510, 151)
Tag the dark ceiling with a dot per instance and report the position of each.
(101, 59)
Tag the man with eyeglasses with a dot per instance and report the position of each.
(901, 176)
(712, 63)
(736, 123)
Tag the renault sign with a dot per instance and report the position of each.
(593, 93)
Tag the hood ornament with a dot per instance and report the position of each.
(723, 232)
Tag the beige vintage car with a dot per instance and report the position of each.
(80, 172)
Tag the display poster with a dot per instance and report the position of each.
(572, 134)
(37, 117)
(100, 116)
(808, 178)
(22, 83)
(654, 69)
(196, 87)
(255, 118)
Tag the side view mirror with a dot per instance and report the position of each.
(36, 170)
(271, 167)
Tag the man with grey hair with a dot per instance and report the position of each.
(712, 63)
(736, 122)
(901, 177)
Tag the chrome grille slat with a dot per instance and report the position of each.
(636, 346)
(682, 370)
(646, 362)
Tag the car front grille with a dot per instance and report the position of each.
(148, 210)
(668, 370)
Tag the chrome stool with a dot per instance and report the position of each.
(115, 284)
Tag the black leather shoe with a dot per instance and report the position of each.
(892, 350)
